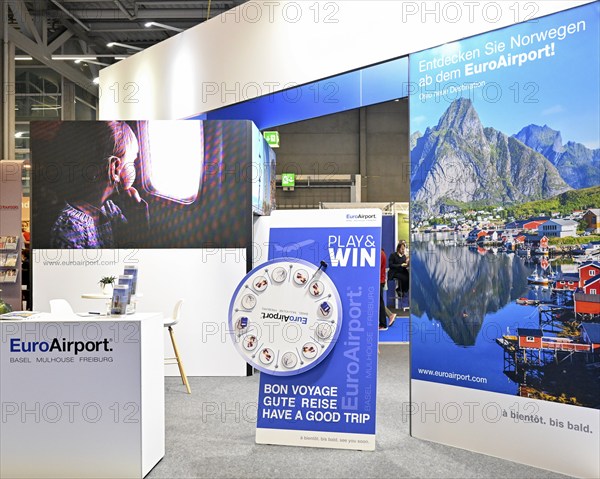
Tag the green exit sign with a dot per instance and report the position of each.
(288, 180)
(272, 138)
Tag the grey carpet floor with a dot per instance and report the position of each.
(211, 434)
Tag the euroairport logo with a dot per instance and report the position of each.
(359, 217)
(285, 318)
(19, 347)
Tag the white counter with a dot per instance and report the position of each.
(81, 398)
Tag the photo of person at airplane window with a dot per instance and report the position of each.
(102, 208)
(399, 263)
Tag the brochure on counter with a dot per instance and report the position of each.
(120, 299)
(16, 315)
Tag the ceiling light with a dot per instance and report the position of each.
(96, 80)
(123, 45)
(73, 57)
(19, 134)
(89, 57)
(93, 62)
(162, 25)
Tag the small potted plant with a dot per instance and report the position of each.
(106, 284)
(4, 307)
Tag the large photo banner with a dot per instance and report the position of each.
(142, 184)
(505, 244)
(308, 319)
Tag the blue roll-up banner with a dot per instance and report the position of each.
(308, 320)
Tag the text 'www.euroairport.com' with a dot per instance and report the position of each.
(455, 376)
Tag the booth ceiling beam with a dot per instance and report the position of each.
(40, 28)
(79, 31)
(7, 94)
(92, 64)
(132, 27)
(83, 39)
(75, 19)
(24, 20)
(34, 45)
(40, 20)
(44, 55)
(122, 8)
(60, 40)
(149, 14)
(187, 3)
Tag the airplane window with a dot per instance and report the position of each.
(173, 159)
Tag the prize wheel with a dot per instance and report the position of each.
(285, 316)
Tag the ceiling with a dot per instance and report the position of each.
(45, 29)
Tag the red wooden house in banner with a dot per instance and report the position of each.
(587, 301)
(529, 338)
(520, 239)
(592, 286)
(588, 271)
(567, 282)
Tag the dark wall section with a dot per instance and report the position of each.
(388, 164)
(371, 142)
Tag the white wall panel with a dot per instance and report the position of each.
(205, 278)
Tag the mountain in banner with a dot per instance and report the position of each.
(578, 165)
(460, 162)
(414, 138)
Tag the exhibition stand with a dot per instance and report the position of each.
(476, 381)
(81, 399)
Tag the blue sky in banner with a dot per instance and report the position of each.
(543, 72)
